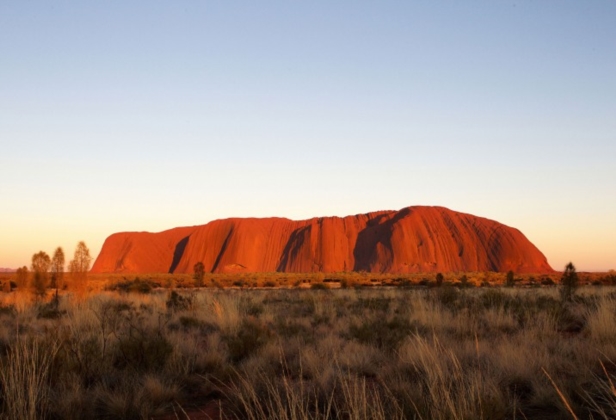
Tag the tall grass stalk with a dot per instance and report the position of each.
(24, 375)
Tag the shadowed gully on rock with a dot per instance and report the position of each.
(414, 239)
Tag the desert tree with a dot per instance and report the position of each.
(464, 281)
(40, 272)
(510, 279)
(199, 273)
(80, 265)
(439, 279)
(569, 283)
(57, 268)
(21, 277)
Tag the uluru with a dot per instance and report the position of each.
(413, 239)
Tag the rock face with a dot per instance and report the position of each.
(414, 239)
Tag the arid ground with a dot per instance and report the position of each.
(349, 346)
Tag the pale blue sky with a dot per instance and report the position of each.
(147, 115)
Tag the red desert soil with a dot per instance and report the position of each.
(414, 239)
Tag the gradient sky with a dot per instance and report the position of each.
(146, 115)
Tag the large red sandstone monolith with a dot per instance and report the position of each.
(414, 239)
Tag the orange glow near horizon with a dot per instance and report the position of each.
(589, 251)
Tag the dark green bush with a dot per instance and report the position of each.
(424, 282)
(82, 356)
(143, 351)
(251, 308)
(137, 285)
(510, 279)
(520, 388)
(49, 310)
(176, 302)
(446, 296)
(290, 328)
(7, 310)
(188, 322)
(569, 322)
(368, 304)
(464, 281)
(569, 283)
(405, 283)
(250, 337)
(547, 281)
(384, 334)
(199, 274)
(494, 298)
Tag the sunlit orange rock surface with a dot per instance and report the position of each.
(414, 239)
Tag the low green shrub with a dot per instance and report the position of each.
(250, 337)
(494, 298)
(143, 351)
(49, 310)
(380, 304)
(384, 334)
(8, 310)
(136, 285)
(447, 295)
(177, 302)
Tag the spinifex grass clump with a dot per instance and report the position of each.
(384, 334)
(246, 340)
(24, 373)
(178, 302)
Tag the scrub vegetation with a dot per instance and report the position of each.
(134, 349)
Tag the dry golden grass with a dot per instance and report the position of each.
(301, 353)
(24, 374)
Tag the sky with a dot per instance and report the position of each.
(147, 115)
